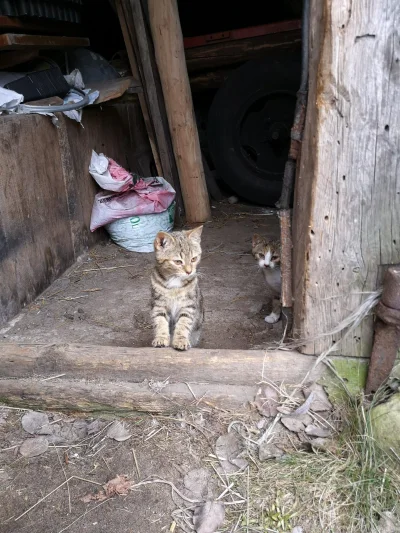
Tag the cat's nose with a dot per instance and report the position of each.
(188, 270)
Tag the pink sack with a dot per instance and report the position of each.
(147, 195)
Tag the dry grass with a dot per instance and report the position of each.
(344, 490)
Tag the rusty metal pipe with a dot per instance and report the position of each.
(387, 332)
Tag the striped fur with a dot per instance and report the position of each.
(177, 303)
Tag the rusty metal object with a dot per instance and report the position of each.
(286, 270)
(387, 331)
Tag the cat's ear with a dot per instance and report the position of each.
(163, 240)
(195, 233)
(256, 240)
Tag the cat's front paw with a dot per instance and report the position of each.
(181, 343)
(272, 318)
(161, 341)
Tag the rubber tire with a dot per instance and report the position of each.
(266, 75)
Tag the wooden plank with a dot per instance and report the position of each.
(349, 178)
(168, 44)
(210, 79)
(112, 89)
(16, 41)
(230, 367)
(230, 53)
(35, 238)
(123, 399)
(145, 61)
(136, 74)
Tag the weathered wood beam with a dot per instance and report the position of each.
(134, 365)
(346, 211)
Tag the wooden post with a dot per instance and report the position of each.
(347, 200)
(170, 57)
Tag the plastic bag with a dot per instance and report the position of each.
(137, 233)
(146, 196)
(108, 174)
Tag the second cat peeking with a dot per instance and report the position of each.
(268, 255)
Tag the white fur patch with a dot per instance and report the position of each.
(174, 283)
(174, 309)
(267, 259)
(272, 318)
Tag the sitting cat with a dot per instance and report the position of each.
(177, 303)
(267, 253)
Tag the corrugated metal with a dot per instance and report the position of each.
(59, 10)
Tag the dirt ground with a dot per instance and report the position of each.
(23, 481)
(206, 454)
(104, 298)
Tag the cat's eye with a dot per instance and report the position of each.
(274, 257)
(178, 262)
(194, 259)
(260, 256)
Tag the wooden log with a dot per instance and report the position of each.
(134, 365)
(346, 212)
(16, 41)
(168, 44)
(121, 398)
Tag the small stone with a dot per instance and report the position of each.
(36, 423)
(267, 400)
(269, 451)
(320, 401)
(33, 447)
(316, 431)
(292, 424)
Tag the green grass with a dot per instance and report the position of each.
(345, 489)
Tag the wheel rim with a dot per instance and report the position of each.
(263, 132)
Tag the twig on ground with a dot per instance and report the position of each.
(136, 463)
(53, 377)
(53, 491)
(66, 479)
(84, 514)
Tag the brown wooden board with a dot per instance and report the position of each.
(223, 54)
(112, 89)
(15, 41)
(35, 237)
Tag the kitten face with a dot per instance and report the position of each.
(266, 253)
(178, 254)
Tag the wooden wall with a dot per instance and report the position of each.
(46, 192)
(347, 200)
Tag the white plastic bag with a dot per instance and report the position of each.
(108, 174)
(137, 233)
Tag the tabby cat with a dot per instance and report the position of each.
(268, 255)
(177, 303)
